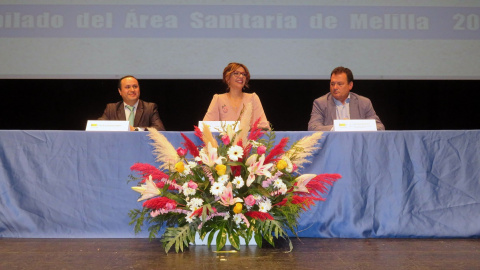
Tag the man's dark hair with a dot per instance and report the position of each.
(128, 76)
(340, 70)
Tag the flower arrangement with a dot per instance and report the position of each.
(239, 186)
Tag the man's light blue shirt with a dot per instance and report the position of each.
(343, 110)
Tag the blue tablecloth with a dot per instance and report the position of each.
(73, 184)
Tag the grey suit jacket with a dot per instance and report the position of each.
(324, 112)
(145, 116)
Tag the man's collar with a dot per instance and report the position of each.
(134, 105)
(338, 103)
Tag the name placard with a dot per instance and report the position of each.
(107, 125)
(216, 126)
(354, 125)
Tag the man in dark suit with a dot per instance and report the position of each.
(340, 103)
(141, 114)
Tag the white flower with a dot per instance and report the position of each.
(187, 191)
(223, 179)
(195, 203)
(148, 190)
(189, 218)
(302, 182)
(192, 164)
(278, 183)
(237, 218)
(186, 170)
(289, 164)
(251, 159)
(265, 206)
(227, 216)
(235, 152)
(217, 189)
(238, 181)
(257, 197)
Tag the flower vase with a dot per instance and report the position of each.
(200, 242)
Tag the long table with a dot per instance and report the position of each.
(73, 184)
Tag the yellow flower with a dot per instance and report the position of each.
(238, 208)
(221, 169)
(281, 164)
(179, 167)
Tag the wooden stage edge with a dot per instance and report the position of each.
(308, 253)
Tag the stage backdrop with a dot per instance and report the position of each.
(276, 39)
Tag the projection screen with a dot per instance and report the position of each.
(380, 39)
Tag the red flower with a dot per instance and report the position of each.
(146, 170)
(318, 185)
(305, 202)
(198, 132)
(282, 203)
(190, 146)
(225, 139)
(236, 170)
(199, 211)
(259, 215)
(181, 152)
(255, 132)
(159, 203)
(277, 150)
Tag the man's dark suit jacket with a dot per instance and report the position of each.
(145, 116)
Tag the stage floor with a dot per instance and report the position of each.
(308, 253)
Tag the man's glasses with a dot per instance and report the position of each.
(237, 74)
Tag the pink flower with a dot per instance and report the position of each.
(257, 168)
(170, 206)
(226, 198)
(261, 150)
(250, 200)
(225, 139)
(181, 152)
(192, 184)
(294, 167)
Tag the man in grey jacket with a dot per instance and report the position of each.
(340, 103)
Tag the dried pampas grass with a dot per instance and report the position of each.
(208, 136)
(303, 149)
(166, 153)
(245, 119)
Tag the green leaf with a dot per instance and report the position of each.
(234, 240)
(210, 238)
(269, 238)
(202, 234)
(258, 239)
(204, 213)
(221, 238)
(176, 236)
(249, 234)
